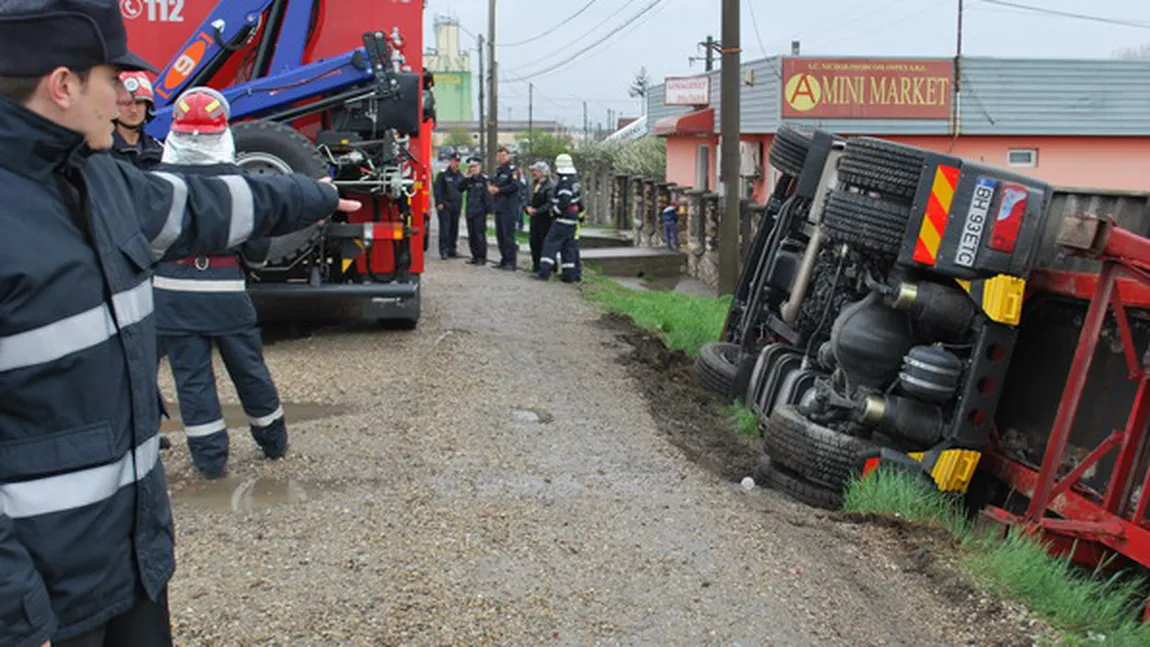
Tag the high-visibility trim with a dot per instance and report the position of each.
(206, 429)
(566, 221)
(264, 421)
(174, 225)
(568, 266)
(196, 285)
(77, 332)
(79, 488)
(243, 209)
(546, 261)
(937, 214)
(564, 192)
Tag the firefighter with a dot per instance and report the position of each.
(86, 532)
(567, 209)
(542, 190)
(130, 143)
(449, 200)
(201, 302)
(479, 204)
(505, 188)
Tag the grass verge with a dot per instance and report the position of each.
(521, 237)
(685, 322)
(1084, 609)
(745, 420)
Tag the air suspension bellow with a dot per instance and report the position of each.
(946, 309)
(869, 341)
(930, 374)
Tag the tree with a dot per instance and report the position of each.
(458, 137)
(1141, 53)
(640, 87)
(544, 146)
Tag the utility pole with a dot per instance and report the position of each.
(585, 133)
(493, 112)
(729, 107)
(482, 121)
(710, 60)
(530, 118)
(957, 99)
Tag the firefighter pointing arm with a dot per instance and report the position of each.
(86, 532)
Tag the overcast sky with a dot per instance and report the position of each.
(665, 36)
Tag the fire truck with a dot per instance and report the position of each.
(326, 88)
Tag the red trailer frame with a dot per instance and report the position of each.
(1075, 520)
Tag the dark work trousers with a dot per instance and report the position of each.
(540, 225)
(477, 236)
(448, 232)
(671, 234)
(506, 224)
(207, 434)
(147, 624)
(561, 242)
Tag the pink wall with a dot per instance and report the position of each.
(1081, 162)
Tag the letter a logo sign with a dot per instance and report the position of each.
(803, 92)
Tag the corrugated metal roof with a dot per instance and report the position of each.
(999, 97)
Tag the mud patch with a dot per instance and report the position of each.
(248, 494)
(689, 414)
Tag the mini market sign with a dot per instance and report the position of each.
(867, 88)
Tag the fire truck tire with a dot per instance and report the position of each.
(819, 454)
(789, 148)
(718, 366)
(885, 167)
(268, 147)
(865, 223)
(770, 474)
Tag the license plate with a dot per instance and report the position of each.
(975, 223)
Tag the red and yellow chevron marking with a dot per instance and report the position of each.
(937, 213)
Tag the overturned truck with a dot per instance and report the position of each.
(880, 309)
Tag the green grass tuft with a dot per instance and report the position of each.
(521, 237)
(745, 420)
(1083, 609)
(685, 322)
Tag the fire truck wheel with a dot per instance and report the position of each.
(819, 454)
(718, 366)
(770, 474)
(789, 148)
(878, 165)
(268, 147)
(865, 223)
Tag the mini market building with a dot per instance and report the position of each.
(1080, 123)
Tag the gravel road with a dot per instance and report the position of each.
(499, 477)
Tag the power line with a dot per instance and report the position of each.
(595, 44)
(850, 19)
(562, 50)
(561, 23)
(755, 24)
(1069, 14)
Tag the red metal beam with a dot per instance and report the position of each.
(1024, 480)
(1082, 285)
(1091, 459)
(1133, 446)
(1072, 393)
(1133, 363)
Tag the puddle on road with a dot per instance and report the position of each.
(245, 495)
(236, 418)
(524, 414)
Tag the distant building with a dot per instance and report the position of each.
(451, 65)
(1076, 123)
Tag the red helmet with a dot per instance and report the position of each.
(201, 110)
(139, 86)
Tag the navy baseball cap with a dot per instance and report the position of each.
(37, 36)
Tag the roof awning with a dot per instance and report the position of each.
(699, 122)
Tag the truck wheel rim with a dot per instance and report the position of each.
(263, 164)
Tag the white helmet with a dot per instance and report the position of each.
(564, 165)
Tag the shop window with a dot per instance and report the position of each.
(1027, 157)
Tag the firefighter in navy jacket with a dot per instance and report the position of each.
(567, 208)
(202, 301)
(479, 205)
(130, 143)
(505, 188)
(86, 534)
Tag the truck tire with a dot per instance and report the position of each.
(770, 474)
(819, 454)
(865, 223)
(789, 149)
(268, 147)
(885, 167)
(718, 366)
